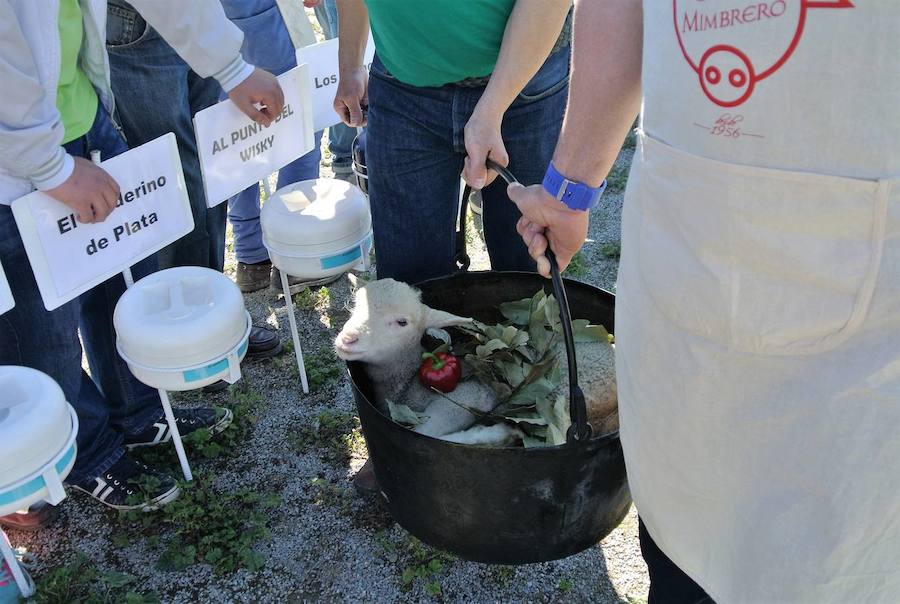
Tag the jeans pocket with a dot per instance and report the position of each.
(759, 261)
(124, 26)
(551, 78)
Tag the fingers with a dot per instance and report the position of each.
(356, 115)
(537, 249)
(85, 213)
(273, 100)
(352, 97)
(543, 266)
(518, 194)
(109, 198)
(350, 110)
(341, 109)
(257, 115)
(535, 239)
(500, 156)
(474, 168)
(260, 97)
(478, 149)
(528, 230)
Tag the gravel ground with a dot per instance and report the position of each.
(324, 542)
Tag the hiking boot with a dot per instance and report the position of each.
(253, 277)
(214, 419)
(131, 485)
(35, 518)
(297, 285)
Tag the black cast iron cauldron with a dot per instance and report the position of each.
(499, 505)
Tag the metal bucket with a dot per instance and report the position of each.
(498, 505)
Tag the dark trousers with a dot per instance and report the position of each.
(415, 151)
(668, 583)
(157, 93)
(111, 402)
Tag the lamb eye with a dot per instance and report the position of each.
(402, 322)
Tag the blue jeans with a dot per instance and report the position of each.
(415, 151)
(156, 93)
(111, 404)
(267, 45)
(327, 16)
(340, 136)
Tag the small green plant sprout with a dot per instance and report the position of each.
(617, 178)
(578, 267)
(612, 249)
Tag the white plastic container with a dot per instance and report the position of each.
(183, 328)
(37, 439)
(317, 228)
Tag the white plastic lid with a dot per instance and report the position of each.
(179, 317)
(315, 215)
(34, 422)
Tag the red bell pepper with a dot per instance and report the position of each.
(441, 371)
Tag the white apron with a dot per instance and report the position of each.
(758, 323)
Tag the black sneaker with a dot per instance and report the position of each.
(214, 419)
(130, 485)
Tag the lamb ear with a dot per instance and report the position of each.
(440, 318)
(357, 281)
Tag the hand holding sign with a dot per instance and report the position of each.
(235, 152)
(259, 96)
(89, 190)
(69, 256)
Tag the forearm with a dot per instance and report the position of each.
(604, 90)
(531, 32)
(354, 34)
(202, 36)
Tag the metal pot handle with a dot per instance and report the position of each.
(580, 430)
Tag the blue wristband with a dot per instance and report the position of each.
(576, 195)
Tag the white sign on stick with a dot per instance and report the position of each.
(6, 298)
(236, 152)
(322, 59)
(69, 257)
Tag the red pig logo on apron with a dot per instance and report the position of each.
(711, 35)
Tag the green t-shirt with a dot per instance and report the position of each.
(76, 98)
(436, 42)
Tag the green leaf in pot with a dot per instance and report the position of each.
(519, 312)
(404, 415)
(492, 345)
(556, 413)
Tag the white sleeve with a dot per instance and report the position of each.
(31, 130)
